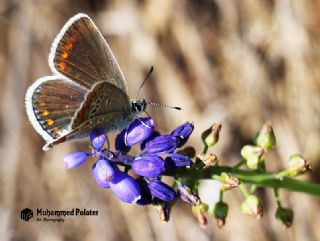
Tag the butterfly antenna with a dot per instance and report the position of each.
(144, 81)
(162, 105)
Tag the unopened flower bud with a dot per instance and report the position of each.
(228, 182)
(187, 195)
(285, 215)
(75, 159)
(98, 138)
(298, 165)
(182, 133)
(176, 160)
(164, 212)
(103, 172)
(220, 212)
(209, 160)
(162, 191)
(266, 137)
(252, 206)
(253, 155)
(125, 187)
(161, 145)
(200, 212)
(148, 165)
(211, 136)
(138, 131)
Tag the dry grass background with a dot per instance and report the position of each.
(241, 62)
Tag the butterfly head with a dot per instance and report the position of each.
(138, 106)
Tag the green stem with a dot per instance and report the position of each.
(244, 190)
(253, 188)
(205, 149)
(239, 164)
(221, 196)
(277, 196)
(266, 179)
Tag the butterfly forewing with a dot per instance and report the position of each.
(80, 53)
(51, 104)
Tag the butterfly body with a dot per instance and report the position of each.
(87, 90)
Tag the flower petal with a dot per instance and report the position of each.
(151, 137)
(75, 159)
(98, 138)
(175, 160)
(161, 145)
(148, 165)
(125, 187)
(182, 133)
(138, 131)
(162, 191)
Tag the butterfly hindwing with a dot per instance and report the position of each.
(51, 103)
(81, 54)
(104, 103)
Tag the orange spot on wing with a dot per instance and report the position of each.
(45, 113)
(64, 55)
(62, 66)
(50, 122)
(42, 104)
(69, 46)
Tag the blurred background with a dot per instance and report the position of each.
(238, 62)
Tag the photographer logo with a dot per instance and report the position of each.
(26, 214)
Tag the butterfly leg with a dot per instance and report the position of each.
(55, 142)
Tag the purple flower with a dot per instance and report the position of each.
(103, 172)
(74, 160)
(175, 160)
(182, 133)
(138, 131)
(98, 138)
(151, 137)
(125, 187)
(148, 165)
(162, 191)
(161, 144)
(120, 145)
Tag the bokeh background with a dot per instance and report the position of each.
(238, 62)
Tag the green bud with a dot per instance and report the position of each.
(253, 155)
(200, 212)
(266, 137)
(228, 182)
(211, 136)
(285, 215)
(209, 160)
(298, 165)
(220, 212)
(252, 206)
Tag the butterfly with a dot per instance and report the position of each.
(87, 89)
